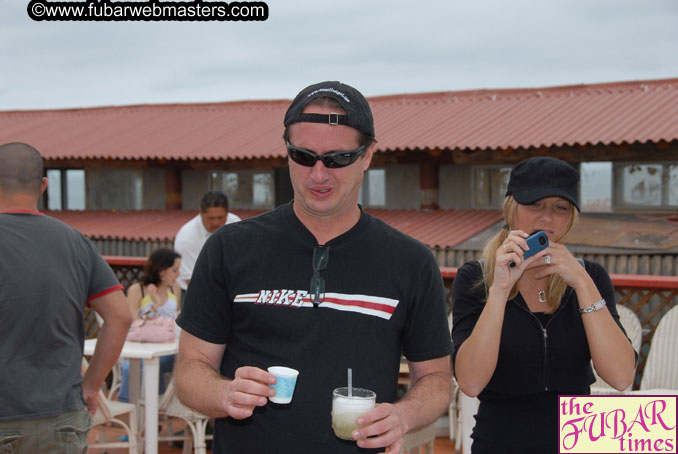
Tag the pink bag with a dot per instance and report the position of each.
(156, 329)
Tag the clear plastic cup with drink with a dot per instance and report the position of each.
(347, 407)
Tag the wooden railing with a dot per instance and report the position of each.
(649, 297)
(128, 271)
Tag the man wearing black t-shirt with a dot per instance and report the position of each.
(374, 294)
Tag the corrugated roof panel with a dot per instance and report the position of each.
(146, 225)
(606, 120)
(439, 228)
(435, 228)
(613, 113)
(657, 118)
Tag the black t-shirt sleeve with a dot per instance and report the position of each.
(468, 301)
(207, 306)
(426, 335)
(604, 284)
(602, 281)
(606, 289)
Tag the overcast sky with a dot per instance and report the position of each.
(379, 46)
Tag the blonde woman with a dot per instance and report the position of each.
(525, 330)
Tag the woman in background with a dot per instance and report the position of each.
(526, 330)
(158, 294)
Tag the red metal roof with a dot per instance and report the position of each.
(611, 113)
(434, 228)
(444, 228)
(145, 225)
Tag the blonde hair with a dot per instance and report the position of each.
(555, 287)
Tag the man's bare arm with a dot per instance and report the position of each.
(200, 386)
(115, 312)
(428, 398)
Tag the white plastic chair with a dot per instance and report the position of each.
(461, 414)
(109, 414)
(468, 407)
(660, 375)
(422, 438)
(116, 372)
(170, 407)
(452, 410)
(634, 330)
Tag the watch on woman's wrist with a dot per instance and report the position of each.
(598, 305)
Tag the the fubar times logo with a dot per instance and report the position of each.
(617, 424)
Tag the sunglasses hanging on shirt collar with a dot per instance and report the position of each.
(321, 255)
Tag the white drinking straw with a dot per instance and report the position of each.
(350, 382)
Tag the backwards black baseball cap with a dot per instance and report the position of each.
(358, 113)
(540, 177)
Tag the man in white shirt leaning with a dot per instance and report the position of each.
(192, 235)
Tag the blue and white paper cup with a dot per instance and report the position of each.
(284, 387)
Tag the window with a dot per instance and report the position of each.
(115, 188)
(595, 187)
(603, 185)
(249, 189)
(645, 185)
(489, 187)
(66, 189)
(673, 184)
(373, 189)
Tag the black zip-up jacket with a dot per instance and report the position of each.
(532, 358)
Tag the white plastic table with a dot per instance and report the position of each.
(149, 353)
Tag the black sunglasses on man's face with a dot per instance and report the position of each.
(332, 160)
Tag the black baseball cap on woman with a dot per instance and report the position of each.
(358, 113)
(540, 177)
